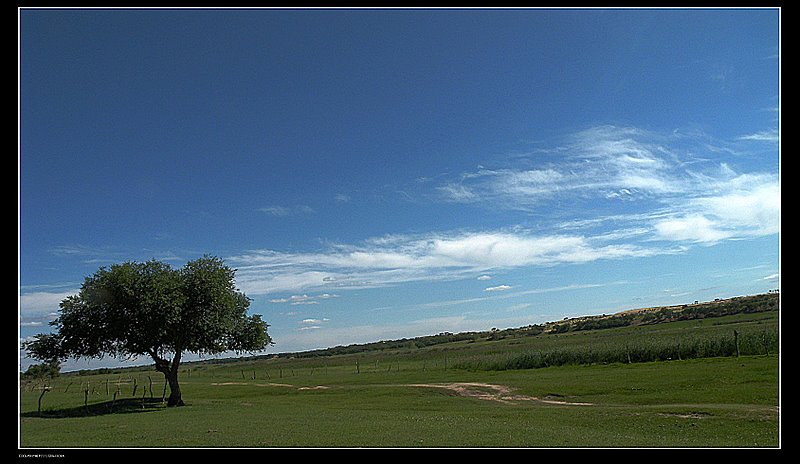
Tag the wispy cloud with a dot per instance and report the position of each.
(771, 135)
(678, 189)
(681, 192)
(304, 299)
(499, 288)
(435, 256)
(37, 309)
(283, 211)
(312, 323)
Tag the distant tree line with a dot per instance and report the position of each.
(745, 304)
(738, 305)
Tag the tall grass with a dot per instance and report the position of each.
(656, 347)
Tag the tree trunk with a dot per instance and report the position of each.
(170, 371)
(172, 378)
(174, 390)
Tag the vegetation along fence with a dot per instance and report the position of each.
(657, 348)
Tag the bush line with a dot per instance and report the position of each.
(760, 342)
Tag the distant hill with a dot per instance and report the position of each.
(654, 315)
(643, 316)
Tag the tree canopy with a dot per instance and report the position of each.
(149, 308)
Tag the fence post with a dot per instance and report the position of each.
(45, 389)
(114, 399)
(736, 340)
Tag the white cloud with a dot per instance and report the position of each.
(484, 277)
(683, 179)
(681, 188)
(304, 299)
(283, 211)
(741, 206)
(439, 256)
(457, 193)
(771, 135)
(42, 304)
(276, 210)
(694, 228)
(772, 277)
(31, 324)
(498, 288)
(749, 207)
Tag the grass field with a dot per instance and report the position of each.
(459, 394)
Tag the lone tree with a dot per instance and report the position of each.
(149, 308)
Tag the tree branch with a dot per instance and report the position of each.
(162, 365)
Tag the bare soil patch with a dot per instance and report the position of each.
(482, 391)
(270, 384)
(493, 392)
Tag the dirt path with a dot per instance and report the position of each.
(492, 392)
(482, 391)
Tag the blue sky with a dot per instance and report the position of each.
(384, 173)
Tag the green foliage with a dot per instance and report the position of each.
(151, 309)
(654, 347)
(42, 371)
(717, 308)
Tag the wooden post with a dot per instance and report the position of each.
(114, 399)
(65, 390)
(106, 386)
(135, 386)
(151, 386)
(45, 389)
(736, 339)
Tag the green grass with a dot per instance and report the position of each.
(369, 400)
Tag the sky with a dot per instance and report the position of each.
(375, 174)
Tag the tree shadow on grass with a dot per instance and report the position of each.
(120, 406)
